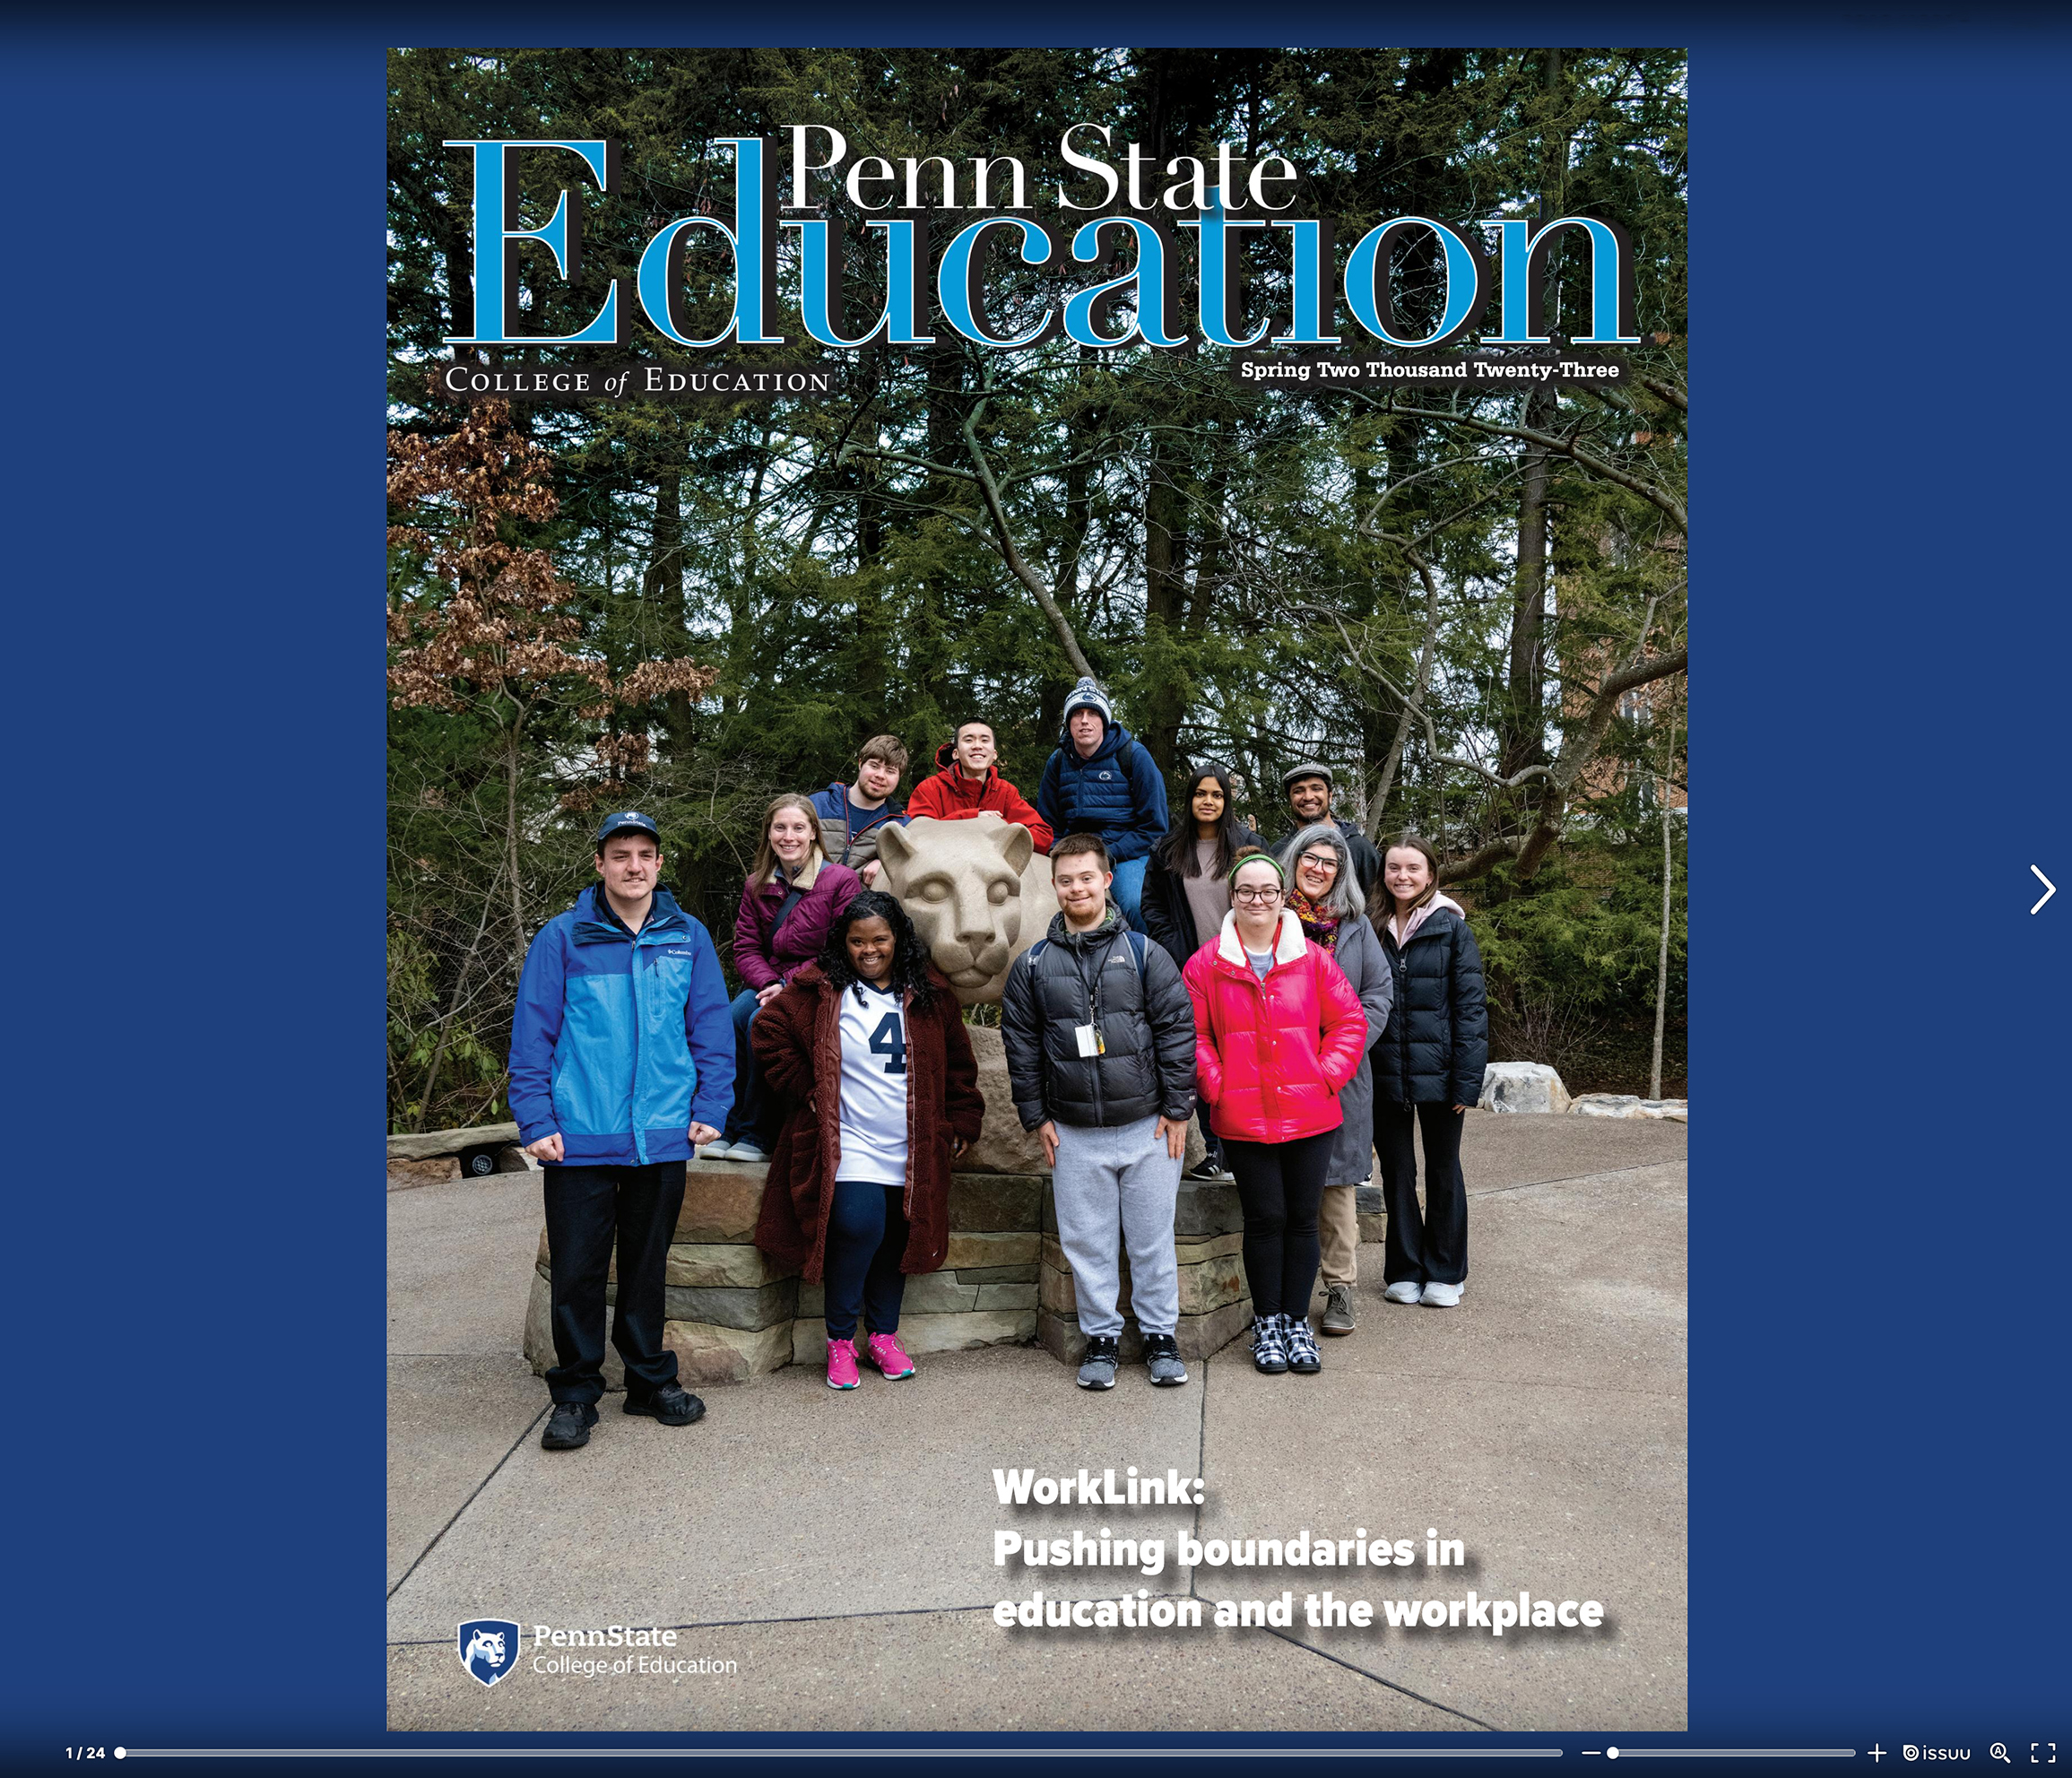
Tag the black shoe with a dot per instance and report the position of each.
(1208, 1170)
(569, 1426)
(672, 1404)
(1098, 1367)
(1162, 1359)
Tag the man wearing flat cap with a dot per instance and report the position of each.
(622, 1059)
(1308, 790)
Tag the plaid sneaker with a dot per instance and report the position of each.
(1268, 1344)
(1302, 1353)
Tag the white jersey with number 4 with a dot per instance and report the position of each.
(873, 1086)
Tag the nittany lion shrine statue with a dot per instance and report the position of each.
(977, 892)
(979, 896)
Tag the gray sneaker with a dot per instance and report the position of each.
(1162, 1359)
(1098, 1370)
(1338, 1309)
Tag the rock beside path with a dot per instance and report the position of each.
(1625, 1104)
(1522, 1086)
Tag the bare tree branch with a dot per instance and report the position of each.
(1668, 392)
(1568, 446)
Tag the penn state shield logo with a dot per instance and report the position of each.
(489, 1648)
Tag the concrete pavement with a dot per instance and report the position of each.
(838, 1548)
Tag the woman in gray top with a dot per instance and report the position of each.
(1324, 894)
(1187, 891)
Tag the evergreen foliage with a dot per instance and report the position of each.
(1434, 591)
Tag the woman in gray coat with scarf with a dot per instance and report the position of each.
(1323, 893)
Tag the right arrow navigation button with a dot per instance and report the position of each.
(2050, 889)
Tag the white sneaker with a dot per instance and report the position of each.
(745, 1151)
(1443, 1296)
(716, 1149)
(1408, 1291)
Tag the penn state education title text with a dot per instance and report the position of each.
(930, 281)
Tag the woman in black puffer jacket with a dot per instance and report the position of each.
(1428, 1068)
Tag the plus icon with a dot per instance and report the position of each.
(1877, 1753)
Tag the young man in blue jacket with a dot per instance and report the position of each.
(622, 1058)
(1102, 781)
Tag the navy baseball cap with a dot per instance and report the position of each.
(629, 820)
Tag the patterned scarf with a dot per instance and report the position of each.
(1317, 927)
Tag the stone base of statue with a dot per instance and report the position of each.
(732, 1313)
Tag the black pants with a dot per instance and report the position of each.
(754, 1116)
(866, 1239)
(1431, 1247)
(1280, 1185)
(587, 1206)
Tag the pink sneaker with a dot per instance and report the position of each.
(890, 1360)
(841, 1363)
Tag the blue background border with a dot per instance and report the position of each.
(1878, 1549)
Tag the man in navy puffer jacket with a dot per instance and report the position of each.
(1102, 781)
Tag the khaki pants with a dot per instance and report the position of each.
(1338, 1227)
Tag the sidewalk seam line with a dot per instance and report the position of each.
(1338, 1659)
(464, 1504)
(1540, 1382)
(1572, 1178)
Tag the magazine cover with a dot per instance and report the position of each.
(1037, 794)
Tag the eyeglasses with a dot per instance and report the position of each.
(1255, 895)
(1326, 862)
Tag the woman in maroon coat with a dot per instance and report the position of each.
(787, 906)
(867, 1051)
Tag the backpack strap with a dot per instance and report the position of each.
(1137, 943)
(791, 899)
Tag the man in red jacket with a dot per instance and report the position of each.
(969, 784)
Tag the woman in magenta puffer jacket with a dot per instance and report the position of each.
(1277, 1033)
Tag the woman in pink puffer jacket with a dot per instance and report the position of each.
(1277, 1033)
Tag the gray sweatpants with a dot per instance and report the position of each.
(1114, 1189)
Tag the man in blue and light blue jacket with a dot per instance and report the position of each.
(622, 1058)
(1102, 780)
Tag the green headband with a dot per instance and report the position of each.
(1230, 882)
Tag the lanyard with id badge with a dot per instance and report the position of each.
(1088, 1036)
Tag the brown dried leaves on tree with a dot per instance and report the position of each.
(496, 625)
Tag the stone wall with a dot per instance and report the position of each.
(732, 1313)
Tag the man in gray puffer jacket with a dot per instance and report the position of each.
(1099, 1035)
